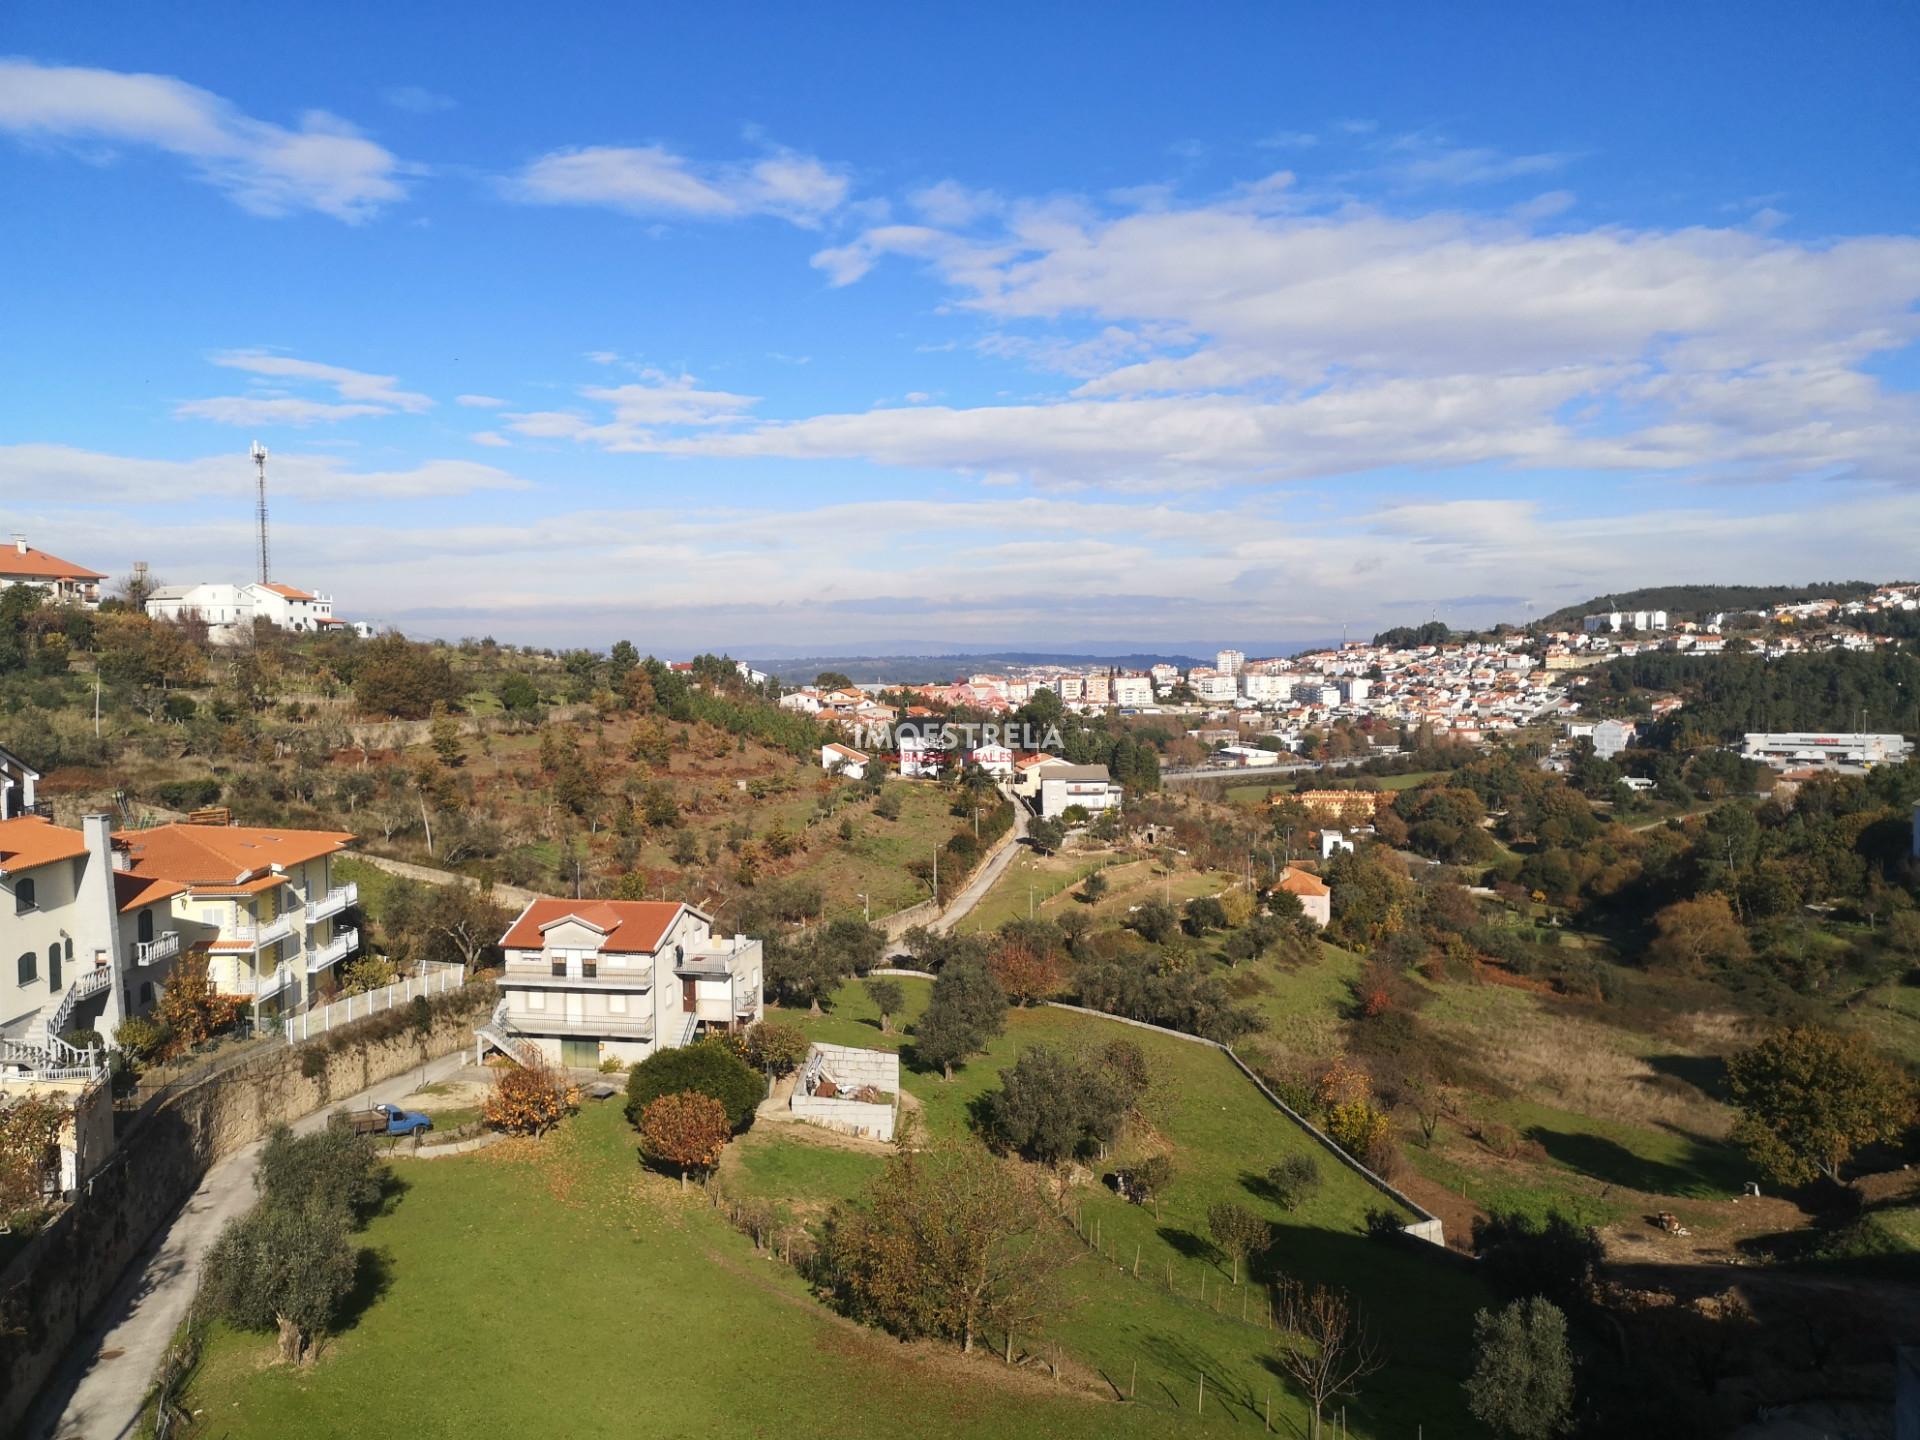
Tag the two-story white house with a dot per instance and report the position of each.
(228, 611)
(62, 580)
(262, 905)
(82, 946)
(1088, 786)
(593, 980)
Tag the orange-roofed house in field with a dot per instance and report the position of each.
(229, 611)
(21, 564)
(261, 903)
(1314, 894)
(593, 980)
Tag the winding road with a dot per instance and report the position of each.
(98, 1391)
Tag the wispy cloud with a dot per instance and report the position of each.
(358, 393)
(325, 164)
(479, 402)
(655, 181)
(417, 100)
(80, 476)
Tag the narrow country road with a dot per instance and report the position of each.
(963, 903)
(97, 1392)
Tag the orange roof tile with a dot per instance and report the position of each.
(30, 841)
(134, 892)
(42, 566)
(633, 927)
(286, 592)
(227, 856)
(1299, 882)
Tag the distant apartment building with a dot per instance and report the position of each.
(1070, 687)
(587, 981)
(1212, 685)
(1355, 688)
(1164, 676)
(1098, 689)
(1267, 688)
(1231, 661)
(1608, 737)
(1132, 690)
(61, 580)
(1618, 620)
(260, 904)
(1351, 806)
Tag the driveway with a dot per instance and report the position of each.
(97, 1393)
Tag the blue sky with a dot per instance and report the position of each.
(849, 330)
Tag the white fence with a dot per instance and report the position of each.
(435, 980)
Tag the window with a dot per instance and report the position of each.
(146, 926)
(69, 948)
(23, 896)
(29, 968)
(146, 994)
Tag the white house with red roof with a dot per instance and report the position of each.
(21, 564)
(229, 611)
(592, 980)
(844, 761)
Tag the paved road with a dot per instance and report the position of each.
(97, 1393)
(962, 904)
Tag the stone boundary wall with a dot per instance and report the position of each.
(513, 897)
(68, 1269)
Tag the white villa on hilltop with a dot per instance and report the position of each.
(593, 980)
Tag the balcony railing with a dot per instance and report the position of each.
(260, 987)
(161, 947)
(333, 902)
(345, 941)
(265, 932)
(92, 983)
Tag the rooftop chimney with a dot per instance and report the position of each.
(19, 543)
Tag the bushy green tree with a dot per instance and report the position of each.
(1810, 1097)
(332, 1167)
(284, 1268)
(709, 1067)
(966, 1010)
(1522, 1382)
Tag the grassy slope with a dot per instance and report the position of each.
(1223, 1136)
(561, 1296)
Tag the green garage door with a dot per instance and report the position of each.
(580, 1054)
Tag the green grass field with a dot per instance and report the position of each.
(561, 1289)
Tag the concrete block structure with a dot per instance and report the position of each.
(828, 1089)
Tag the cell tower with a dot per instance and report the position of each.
(260, 490)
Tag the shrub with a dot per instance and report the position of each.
(777, 1049)
(88, 1039)
(529, 1100)
(1384, 1225)
(282, 1268)
(1357, 1127)
(1521, 1256)
(142, 1037)
(1503, 1140)
(687, 1130)
(332, 1167)
(708, 1069)
(1294, 1179)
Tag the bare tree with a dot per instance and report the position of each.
(1324, 1344)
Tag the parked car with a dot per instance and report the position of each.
(387, 1120)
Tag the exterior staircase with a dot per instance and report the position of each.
(500, 1034)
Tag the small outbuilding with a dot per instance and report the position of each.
(856, 1092)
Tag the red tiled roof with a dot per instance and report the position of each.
(230, 857)
(631, 927)
(287, 592)
(134, 892)
(30, 841)
(42, 566)
(1299, 882)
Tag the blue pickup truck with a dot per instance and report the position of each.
(388, 1120)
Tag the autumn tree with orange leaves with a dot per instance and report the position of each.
(529, 1100)
(1026, 972)
(687, 1130)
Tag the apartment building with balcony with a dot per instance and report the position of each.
(82, 946)
(61, 580)
(586, 981)
(261, 904)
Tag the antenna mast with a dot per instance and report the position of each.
(260, 490)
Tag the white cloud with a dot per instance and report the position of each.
(652, 181)
(479, 402)
(1422, 161)
(79, 476)
(637, 413)
(949, 203)
(359, 393)
(491, 438)
(267, 169)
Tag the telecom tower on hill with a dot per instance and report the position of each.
(260, 490)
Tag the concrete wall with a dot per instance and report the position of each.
(70, 1267)
(849, 1116)
(849, 1069)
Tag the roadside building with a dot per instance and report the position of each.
(1089, 786)
(60, 580)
